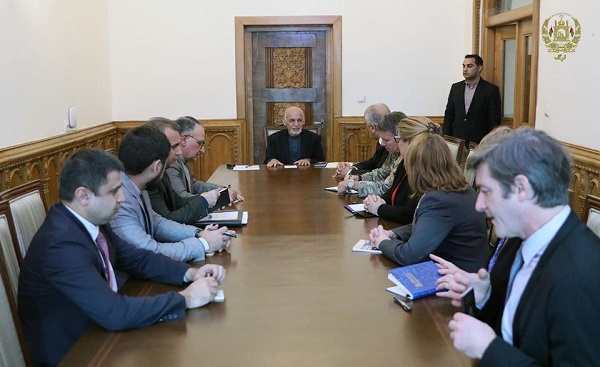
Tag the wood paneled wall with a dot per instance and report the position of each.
(43, 159)
(586, 175)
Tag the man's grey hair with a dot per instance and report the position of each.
(533, 154)
(187, 123)
(161, 123)
(375, 113)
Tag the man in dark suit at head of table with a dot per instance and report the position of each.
(294, 145)
(68, 279)
(473, 108)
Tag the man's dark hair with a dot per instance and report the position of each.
(187, 123)
(141, 146)
(88, 168)
(390, 122)
(478, 59)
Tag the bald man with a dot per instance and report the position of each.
(294, 145)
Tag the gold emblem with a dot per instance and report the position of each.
(561, 32)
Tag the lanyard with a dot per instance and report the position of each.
(396, 189)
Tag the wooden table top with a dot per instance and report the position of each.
(295, 294)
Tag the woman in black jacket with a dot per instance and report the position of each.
(396, 204)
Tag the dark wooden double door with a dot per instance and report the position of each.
(288, 69)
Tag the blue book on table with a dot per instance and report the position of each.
(414, 281)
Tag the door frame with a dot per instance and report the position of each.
(245, 26)
(490, 23)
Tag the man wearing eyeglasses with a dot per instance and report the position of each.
(192, 146)
(163, 198)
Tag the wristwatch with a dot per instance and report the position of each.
(351, 184)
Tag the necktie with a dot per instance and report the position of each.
(496, 253)
(103, 246)
(516, 266)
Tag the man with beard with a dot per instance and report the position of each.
(165, 201)
(294, 145)
(473, 107)
(144, 152)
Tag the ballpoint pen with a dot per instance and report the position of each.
(404, 302)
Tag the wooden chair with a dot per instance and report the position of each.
(591, 213)
(28, 209)
(470, 173)
(12, 343)
(269, 130)
(8, 248)
(456, 146)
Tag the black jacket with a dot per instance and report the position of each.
(484, 114)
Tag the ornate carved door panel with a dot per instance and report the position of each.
(288, 68)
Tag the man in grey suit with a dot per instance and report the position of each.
(192, 145)
(144, 152)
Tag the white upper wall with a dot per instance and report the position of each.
(568, 90)
(54, 55)
(178, 58)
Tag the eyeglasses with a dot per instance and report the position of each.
(397, 138)
(200, 142)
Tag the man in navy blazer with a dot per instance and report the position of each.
(67, 278)
(548, 316)
(294, 145)
(473, 107)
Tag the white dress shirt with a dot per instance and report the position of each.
(533, 248)
(93, 230)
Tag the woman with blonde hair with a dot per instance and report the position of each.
(395, 204)
(445, 222)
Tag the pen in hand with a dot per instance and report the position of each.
(226, 233)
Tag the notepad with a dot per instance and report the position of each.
(366, 247)
(359, 210)
(414, 281)
(238, 167)
(235, 218)
(348, 192)
(332, 165)
(289, 166)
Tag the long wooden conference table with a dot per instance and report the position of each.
(295, 294)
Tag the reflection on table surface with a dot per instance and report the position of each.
(295, 294)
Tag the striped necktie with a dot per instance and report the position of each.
(103, 246)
